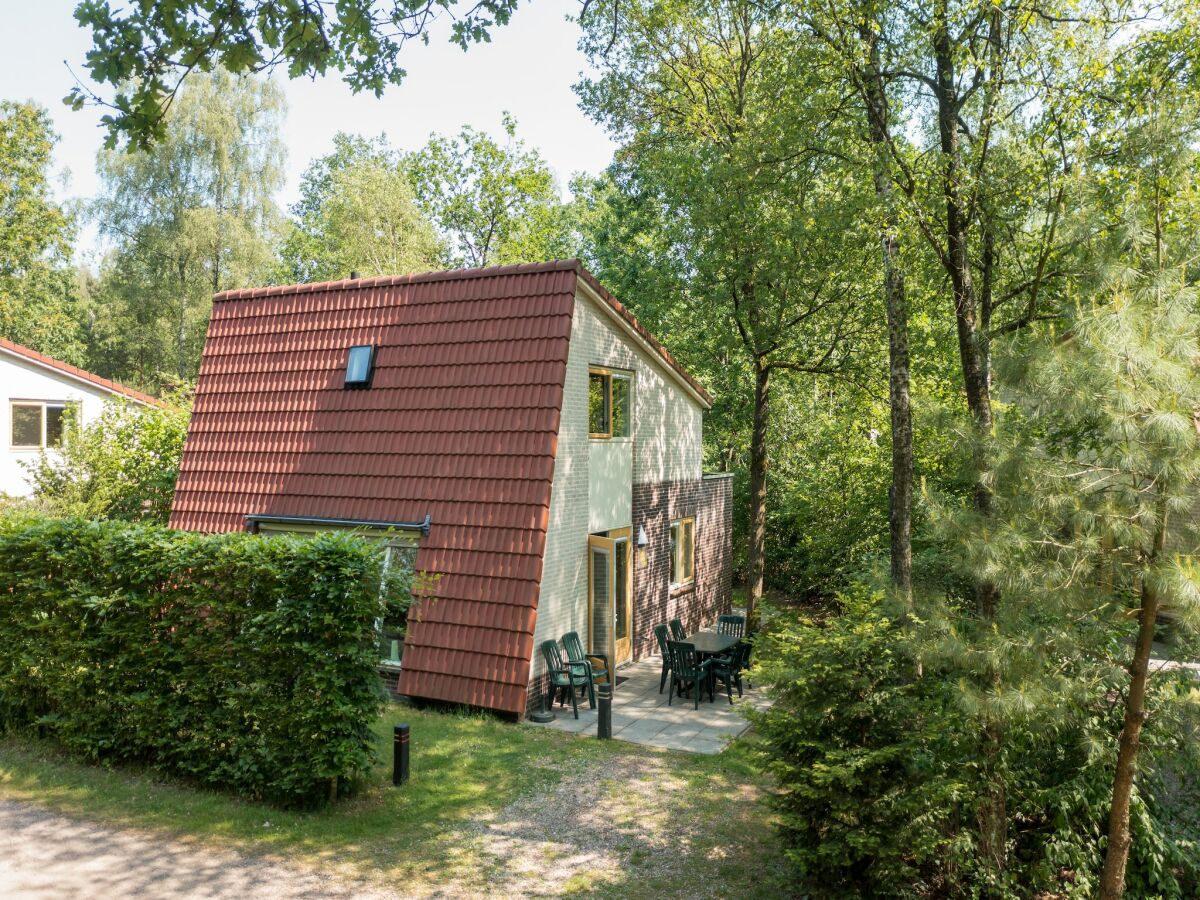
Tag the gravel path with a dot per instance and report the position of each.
(47, 856)
(632, 822)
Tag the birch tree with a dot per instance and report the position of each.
(192, 217)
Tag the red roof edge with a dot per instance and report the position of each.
(78, 373)
(554, 265)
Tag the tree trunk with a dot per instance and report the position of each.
(1116, 855)
(993, 813)
(758, 483)
(896, 304)
(181, 325)
(958, 265)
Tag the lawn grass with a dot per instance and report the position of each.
(467, 770)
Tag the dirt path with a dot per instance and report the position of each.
(47, 856)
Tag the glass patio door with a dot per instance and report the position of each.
(610, 595)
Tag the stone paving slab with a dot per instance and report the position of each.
(641, 715)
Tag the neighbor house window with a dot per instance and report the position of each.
(360, 363)
(609, 403)
(37, 424)
(683, 551)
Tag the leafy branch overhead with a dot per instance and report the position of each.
(145, 51)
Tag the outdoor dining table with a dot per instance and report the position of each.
(710, 643)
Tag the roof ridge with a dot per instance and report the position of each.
(76, 372)
(554, 265)
(276, 290)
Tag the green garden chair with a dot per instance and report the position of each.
(687, 671)
(677, 631)
(664, 637)
(728, 668)
(575, 654)
(732, 625)
(564, 675)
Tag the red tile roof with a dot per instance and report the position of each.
(77, 373)
(460, 423)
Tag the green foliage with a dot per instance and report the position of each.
(869, 757)
(241, 662)
(832, 468)
(358, 213)
(495, 203)
(145, 51)
(878, 758)
(194, 217)
(39, 292)
(122, 465)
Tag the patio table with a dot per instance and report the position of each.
(708, 644)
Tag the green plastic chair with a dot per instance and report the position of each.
(728, 669)
(564, 676)
(575, 654)
(732, 625)
(664, 637)
(677, 631)
(687, 670)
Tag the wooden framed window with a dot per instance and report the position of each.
(683, 551)
(37, 424)
(610, 403)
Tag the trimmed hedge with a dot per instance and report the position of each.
(244, 663)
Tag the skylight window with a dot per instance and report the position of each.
(359, 366)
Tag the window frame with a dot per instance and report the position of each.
(610, 376)
(42, 406)
(676, 532)
(368, 376)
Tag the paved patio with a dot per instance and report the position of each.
(640, 714)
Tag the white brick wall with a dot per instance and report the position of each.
(562, 604)
(666, 447)
(667, 422)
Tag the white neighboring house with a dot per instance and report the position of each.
(35, 392)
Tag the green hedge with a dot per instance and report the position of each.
(244, 663)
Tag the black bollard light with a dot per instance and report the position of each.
(400, 755)
(604, 711)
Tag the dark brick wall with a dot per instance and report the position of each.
(391, 680)
(655, 506)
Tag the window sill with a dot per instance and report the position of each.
(684, 588)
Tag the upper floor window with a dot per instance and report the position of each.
(610, 404)
(683, 551)
(37, 424)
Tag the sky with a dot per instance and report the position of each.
(528, 69)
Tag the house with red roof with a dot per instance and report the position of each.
(36, 391)
(535, 449)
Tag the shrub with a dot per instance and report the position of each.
(241, 662)
(864, 754)
(880, 771)
(122, 465)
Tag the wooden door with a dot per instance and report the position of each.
(610, 595)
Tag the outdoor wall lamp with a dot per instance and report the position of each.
(642, 543)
